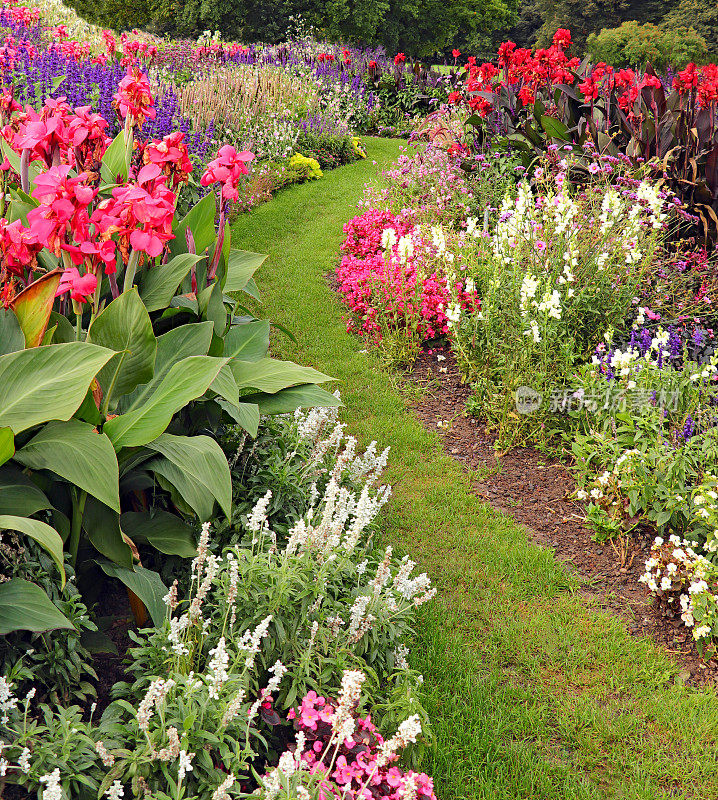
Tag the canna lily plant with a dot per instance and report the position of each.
(122, 346)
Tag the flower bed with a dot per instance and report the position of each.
(254, 629)
(572, 292)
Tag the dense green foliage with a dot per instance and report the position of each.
(633, 44)
(418, 27)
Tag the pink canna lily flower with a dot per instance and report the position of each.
(79, 286)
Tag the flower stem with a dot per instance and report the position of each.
(78, 509)
(131, 269)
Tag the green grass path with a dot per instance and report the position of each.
(533, 693)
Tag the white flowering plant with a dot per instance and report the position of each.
(685, 584)
(558, 268)
(644, 436)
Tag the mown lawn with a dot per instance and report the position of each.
(533, 693)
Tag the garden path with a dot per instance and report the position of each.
(534, 692)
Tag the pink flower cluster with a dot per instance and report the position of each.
(383, 286)
(90, 231)
(359, 772)
(227, 169)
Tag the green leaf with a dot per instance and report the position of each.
(12, 338)
(240, 268)
(113, 162)
(244, 414)
(164, 531)
(193, 498)
(186, 340)
(248, 341)
(25, 607)
(64, 332)
(555, 128)
(226, 386)
(7, 444)
(98, 642)
(160, 283)
(46, 383)
(185, 381)
(102, 526)
(76, 452)
(200, 221)
(211, 304)
(147, 585)
(252, 290)
(288, 400)
(33, 306)
(47, 537)
(19, 495)
(203, 466)
(125, 327)
(271, 375)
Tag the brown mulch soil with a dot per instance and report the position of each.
(535, 490)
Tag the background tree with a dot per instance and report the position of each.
(632, 44)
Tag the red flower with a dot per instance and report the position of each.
(562, 38)
(62, 210)
(455, 53)
(372, 64)
(227, 169)
(171, 156)
(134, 99)
(399, 58)
(18, 246)
(79, 286)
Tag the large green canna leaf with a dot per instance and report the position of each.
(240, 267)
(164, 531)
(192, 339)
(33, 306)
(226, 386)
(47, 537)
(185, 381)
(160, 283)
(271, 375)
(19, 495)
(46, 383)
(203, 466)
(244, 414)
(25, 607)
(211, 304)
(75, 451)
(102, 526)
(125, 327)
(7, 444)
(192, 497)
(147, 585)
(288, 400)
(12, 338)
(248, 341)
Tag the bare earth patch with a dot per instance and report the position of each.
(535, 491)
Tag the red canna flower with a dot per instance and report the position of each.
(227, 169)
(399, 58)
(455, 53)
(79, 286)
(133, 98)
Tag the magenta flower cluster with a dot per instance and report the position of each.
(363, 767)
(383, 285)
